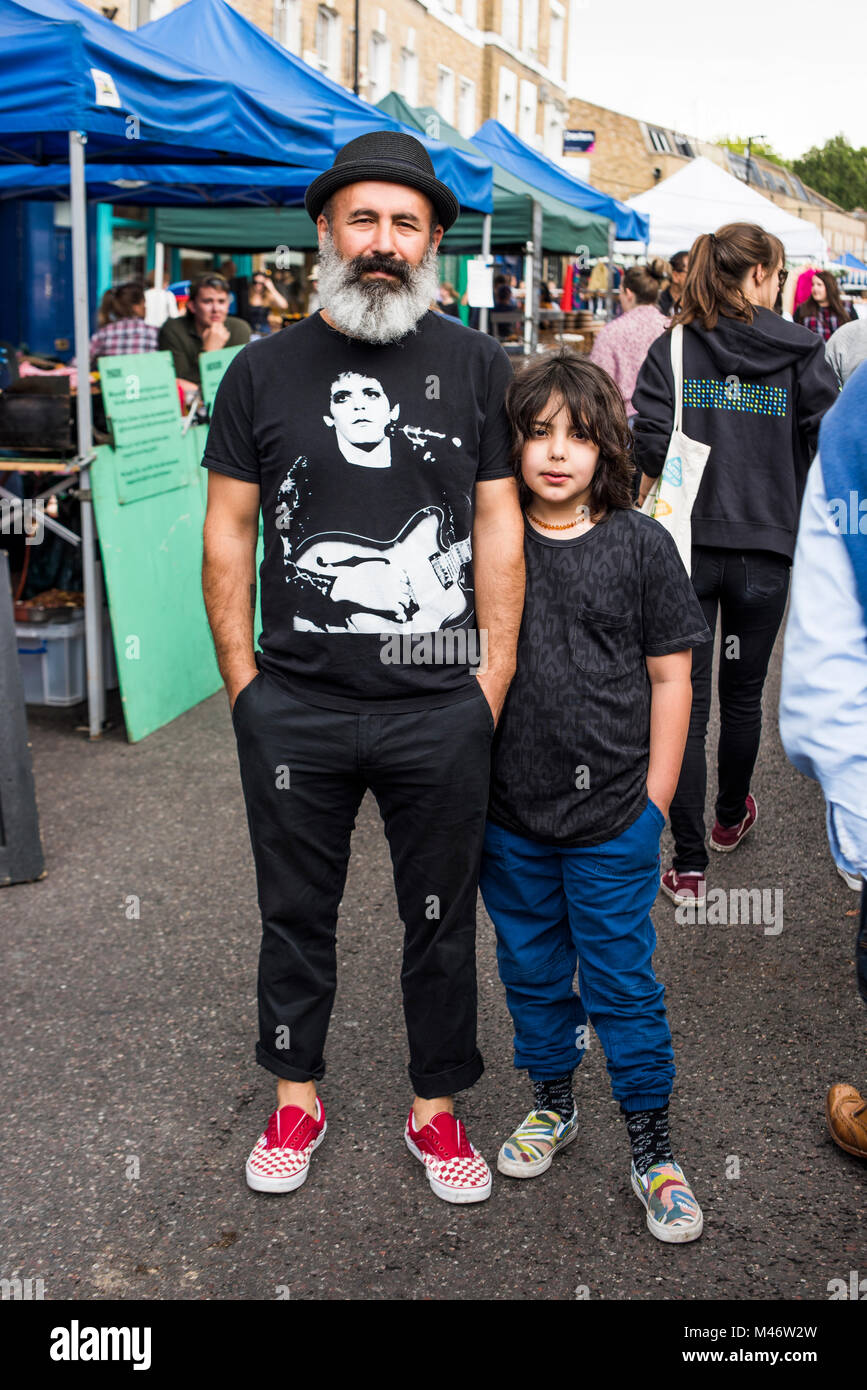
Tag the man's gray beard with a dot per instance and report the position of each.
(379, 311)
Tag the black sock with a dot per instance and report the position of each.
(555, 1095)
(648, 1135)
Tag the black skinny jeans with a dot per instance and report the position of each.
(304, 770)
(749, 587)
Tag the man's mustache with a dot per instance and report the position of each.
(361, 264)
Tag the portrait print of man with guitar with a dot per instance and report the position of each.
(373, 439)
(414, 581)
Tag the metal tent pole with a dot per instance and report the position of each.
(609, 298)
(92, 578)
(535, 303)
(486, 251)
(531, 251)
(159, 264)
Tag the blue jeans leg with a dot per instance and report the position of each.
(522, 887)
(610, 889)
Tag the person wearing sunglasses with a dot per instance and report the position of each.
(755, 389)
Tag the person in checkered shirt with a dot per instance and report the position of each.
(122, 324)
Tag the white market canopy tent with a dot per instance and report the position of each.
(701, 197)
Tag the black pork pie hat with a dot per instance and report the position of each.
(386, 156)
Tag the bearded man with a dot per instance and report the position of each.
(362, 542)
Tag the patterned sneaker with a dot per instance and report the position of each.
(725, 840)
(280, 1160)
(684, 888)
(673, 1214)
(531, 1149)
(456, 1171)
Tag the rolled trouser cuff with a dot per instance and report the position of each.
(447, 1083)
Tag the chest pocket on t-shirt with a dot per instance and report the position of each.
(598, 640)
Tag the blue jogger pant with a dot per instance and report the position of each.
(554, 907)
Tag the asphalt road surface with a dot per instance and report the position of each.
(133, 1097)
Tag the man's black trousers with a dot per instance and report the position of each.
(304, 770)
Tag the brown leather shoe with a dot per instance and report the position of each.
(846, 1110)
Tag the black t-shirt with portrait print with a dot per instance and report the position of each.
(572, 747)
(366, 456)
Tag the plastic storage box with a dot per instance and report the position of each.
(53, 663)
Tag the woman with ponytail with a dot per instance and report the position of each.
(755, 390)
(621, 346)
(122, 326)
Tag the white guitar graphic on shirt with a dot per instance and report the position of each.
(411, 583)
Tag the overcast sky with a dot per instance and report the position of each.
(794, 72)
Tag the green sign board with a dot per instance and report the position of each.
(152, 562)
(212, 366)
(143, 411)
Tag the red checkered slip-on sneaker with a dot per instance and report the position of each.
(684, 888)
(726, 839)
(456, 1171)
(280, 1160)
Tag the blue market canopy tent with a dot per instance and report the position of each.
(64, 68)
(130, 91)
(850, 262)
(504, 148)
(166, 185)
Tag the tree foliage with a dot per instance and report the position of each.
(838, 171)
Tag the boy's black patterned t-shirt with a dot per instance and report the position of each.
(572, 746)
(366, 457)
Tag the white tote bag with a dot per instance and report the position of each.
(670, 500)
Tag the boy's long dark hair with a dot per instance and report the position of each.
(594, 404)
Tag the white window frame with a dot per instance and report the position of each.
(530, 28)
(470, 11)
(328, 27)
(445, 102)
(556, 52)
(378, 67)
(659, 141)
(466, 107)
(409, 76)
(509, 22)
(287, 24)
(553, 125)
(528, 111)
(507, 98)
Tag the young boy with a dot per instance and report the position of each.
(586, 761)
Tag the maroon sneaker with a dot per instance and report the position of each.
(456, 1170)
(683, 888)
(725, 839)
(280, 1160)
